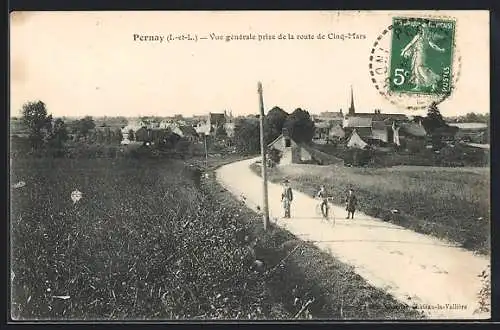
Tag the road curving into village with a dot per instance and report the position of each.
(437, 277)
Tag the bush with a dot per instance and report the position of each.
(275, 155)
(85, 150)
(358, 157)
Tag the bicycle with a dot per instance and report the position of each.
(329, 211)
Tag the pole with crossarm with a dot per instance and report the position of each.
(265, 209)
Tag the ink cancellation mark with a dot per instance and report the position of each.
(382, 65)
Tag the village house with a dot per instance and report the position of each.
(186, 132)
(355, 141)
(472, 132)
(328, 126)
(298, 153)
(291, 152)
(374, 127)
(331, 117)
(209, 124)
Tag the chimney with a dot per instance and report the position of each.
(284, 131)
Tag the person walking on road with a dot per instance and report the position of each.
(324, 201)
(286, 198)
(351, 203)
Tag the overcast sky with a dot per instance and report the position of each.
(88, 63)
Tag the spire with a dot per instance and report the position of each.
(351, 108)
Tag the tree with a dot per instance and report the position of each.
(274, 155)
(436, 126)
(247, 135)
(118, 135)
(39, 123)
(108, 135)
(59, 134)
(300, 126)
(99, 136)
(84, 125)
(131, 135)
(434, 120)
(220, 132)
(275, 119)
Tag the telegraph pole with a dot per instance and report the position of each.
(206, 149)
(263, 148)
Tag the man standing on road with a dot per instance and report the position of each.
(350, 203)
(286, 198)
(324, 201)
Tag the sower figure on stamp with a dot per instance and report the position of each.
(286, 198)
(418, 52)
(351, 203)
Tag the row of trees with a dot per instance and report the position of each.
(299, 125)
(45, 131)
(472, 117)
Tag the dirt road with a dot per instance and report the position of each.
(436, 276)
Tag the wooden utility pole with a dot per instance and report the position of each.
(265, 209)
(206, 149)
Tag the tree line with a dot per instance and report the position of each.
(44, 131)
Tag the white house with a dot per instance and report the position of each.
(355, 141)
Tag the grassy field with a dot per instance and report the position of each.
(449, 203)
(154, 239)
(142, 243)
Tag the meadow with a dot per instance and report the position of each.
(154, 238)
(448, 203)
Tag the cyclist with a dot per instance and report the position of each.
(324, 201)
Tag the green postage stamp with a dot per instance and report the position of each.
(422, 55)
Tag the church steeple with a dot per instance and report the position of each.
(351, 108)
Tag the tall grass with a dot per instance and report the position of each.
(150, 240)
(143, 242)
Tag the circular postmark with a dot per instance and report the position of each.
(414, 62)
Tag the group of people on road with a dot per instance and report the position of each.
(287, 198)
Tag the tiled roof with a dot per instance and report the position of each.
(355, 121)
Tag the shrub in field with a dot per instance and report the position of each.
(358, 157)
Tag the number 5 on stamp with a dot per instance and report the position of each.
(421, 55)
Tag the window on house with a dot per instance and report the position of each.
(288, 143)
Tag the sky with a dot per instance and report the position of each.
(87, 63)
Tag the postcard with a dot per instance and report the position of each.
(249, 165)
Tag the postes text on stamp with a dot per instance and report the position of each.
(421, 56)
